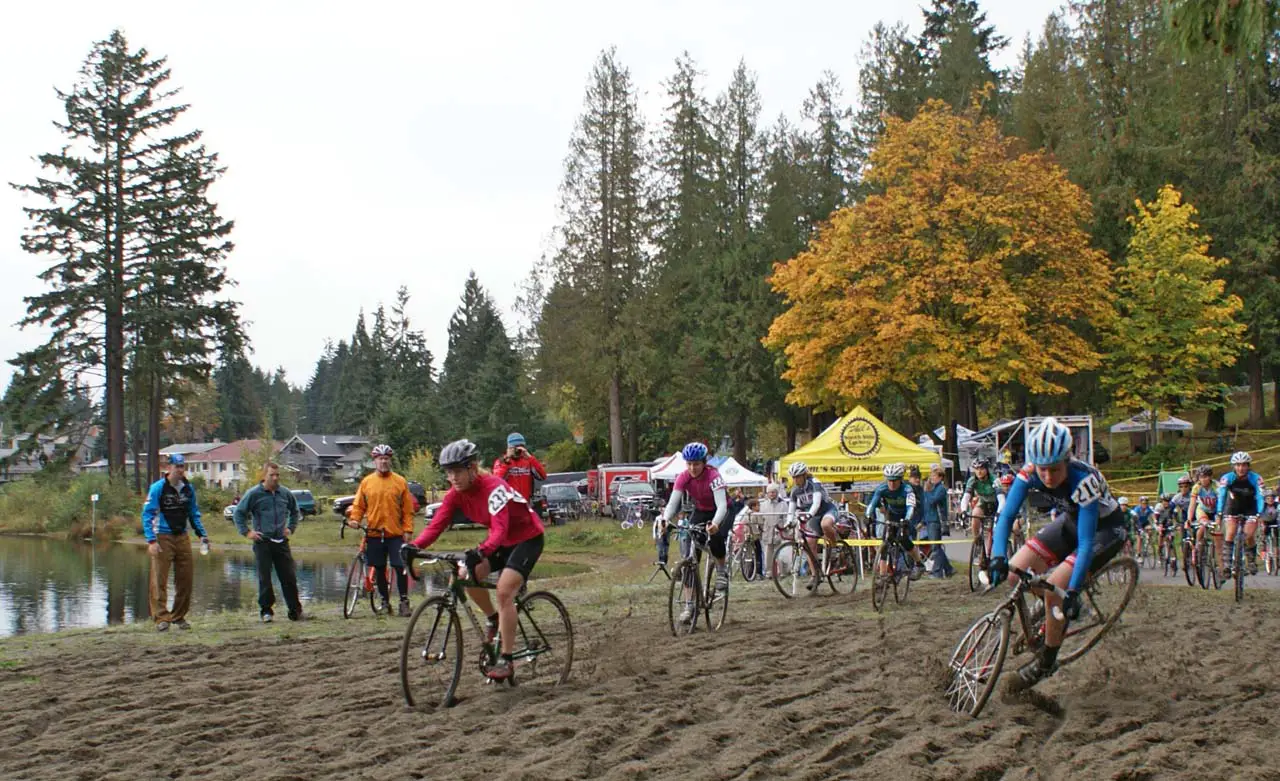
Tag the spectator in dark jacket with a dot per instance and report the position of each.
(935, 518)
(268, 514)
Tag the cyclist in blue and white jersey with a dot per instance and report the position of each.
(1240, 494)
(809, 496)
(899, 503)
(1088, 530)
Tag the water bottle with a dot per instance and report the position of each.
(204, 547)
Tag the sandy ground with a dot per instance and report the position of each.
(805, 689)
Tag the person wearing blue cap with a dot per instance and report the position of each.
(171, 505)
(519, 467)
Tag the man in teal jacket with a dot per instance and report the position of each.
(171, 506)
(268, 514)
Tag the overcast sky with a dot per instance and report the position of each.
(377, 144)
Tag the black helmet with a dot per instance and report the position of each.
(981, 463)
(461, 453)
(1204, 470)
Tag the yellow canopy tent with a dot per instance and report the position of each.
(856, 448)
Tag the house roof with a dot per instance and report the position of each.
(330, 445)
(190, 448)
(231, 451)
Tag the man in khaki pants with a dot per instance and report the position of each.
(171, 506)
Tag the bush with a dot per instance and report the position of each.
(63, 504)
(1165, 454)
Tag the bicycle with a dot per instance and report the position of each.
(891, 568)
(1206, 556)
(544, 636)
(976, 663)
(1188, 554)
(1237, 556)
(980, 550)
(689, 585)
(1271, 550)
(1167, 551)
(362, 579)
(742, 557)
(838, 565)
(634, 518)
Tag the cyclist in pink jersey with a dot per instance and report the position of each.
(705, 488)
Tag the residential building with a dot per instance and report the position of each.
(221, 465)
(327, 457)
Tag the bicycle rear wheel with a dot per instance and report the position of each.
(1105, 597)
(544, 631)
(355, 586)
(881, 582)
(685, 575)
(714, 601)
(431, 655)
(842, 569)
(746, 556)
(787, 567)
(976, 663)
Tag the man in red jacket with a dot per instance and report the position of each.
(519, 467)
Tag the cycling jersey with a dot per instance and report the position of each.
(1241, 495)
(810, 498)
(983, 490)
(899, 504)
(707, 492)
(384, 502)
(1083, 504)
(1179, 505)
(1204, 503)
(1142, 516)
(491, 503)
(520, 472)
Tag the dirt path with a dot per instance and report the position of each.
(808, 689)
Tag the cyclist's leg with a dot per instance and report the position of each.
(975, 521)
(719, 545)
(519, 565)
(813, 527)
(376, 554)
(1228, 546)
(828, 526)
(1251, 545)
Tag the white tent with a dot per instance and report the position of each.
(738, 476)
(1142, 422)
(669, 469)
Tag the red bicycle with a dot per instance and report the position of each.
(362, 579)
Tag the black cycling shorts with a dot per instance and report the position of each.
(520, 557)
(899, 531)
(814, 524)
(378, 549)
(718, 542)
(1057, 542)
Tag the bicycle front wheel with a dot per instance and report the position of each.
(431, 655)
(714, 601)
(842, 569)
(682, 610)
(1187, 570)
(881, 582)
(747, 561)
(1105, 598)
(976, 663)
(1238, 565)
(977, 560)
(901, 578)
(355, 585)
(544, 631)
(787, 568)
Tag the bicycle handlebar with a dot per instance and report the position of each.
(1030, 581)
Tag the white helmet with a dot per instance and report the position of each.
(1048, 443)
(798, 468)
(1124, 500)
(1241, 457)
(894, 471)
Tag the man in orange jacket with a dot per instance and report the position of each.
(519, 467)
(384, 501)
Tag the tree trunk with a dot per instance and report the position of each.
(1275, 390)
(633, 435)
(153, 429)
(617, 447)
(1155, 426)
(114, 314)
(1257, 397)
(814, 428)
(792, 430)
(740, 436)
(950, 444)
(1020, 401)
(972, 411)
(1216, 419)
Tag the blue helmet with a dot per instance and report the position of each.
(1048, 443)
(177, 459)
(694, 451)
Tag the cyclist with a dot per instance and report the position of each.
(980, 496)
(384, 501)
(511, 547)
(808, 495)
(1202, 505)
(1240, 493)
(899, 502)
(705, 487)
(1088, 530)
(1143, 521)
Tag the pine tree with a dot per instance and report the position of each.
(956, 46)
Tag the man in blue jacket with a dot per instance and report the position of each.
(268, 514)
(167, 518)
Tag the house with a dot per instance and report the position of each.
(327, 456)
(221, 465)
(14, 464)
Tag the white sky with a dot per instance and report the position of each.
(377, 144)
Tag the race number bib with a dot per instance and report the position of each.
(499, 498)
(1090, 489)
(717, 484)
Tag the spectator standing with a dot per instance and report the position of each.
(935, 519)
(773, 510)
(519, 467)
(384, 501)
(268, 514)
(168, 516)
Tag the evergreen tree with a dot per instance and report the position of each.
(956, 46)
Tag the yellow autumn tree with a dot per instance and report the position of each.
(1176, 322)
(971, 264)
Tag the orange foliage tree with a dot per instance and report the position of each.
(971, 263)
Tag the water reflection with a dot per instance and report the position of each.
(47, 585)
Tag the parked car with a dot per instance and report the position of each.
(558, 503)
(342, 504)
(306, 501)
(627, 492)
(229, 513)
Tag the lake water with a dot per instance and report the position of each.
(47, 585)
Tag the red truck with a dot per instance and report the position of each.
(600, 481)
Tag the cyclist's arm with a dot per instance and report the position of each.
(1222, 497)
(673, 506)
(439, 522)
(407, 503)
(874, 502)
(1258, 490)
(911, 503)
(816, 504)
(967, 497)
(1000, 537)
(356, 511)
(1086, 528)
(722, 506)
